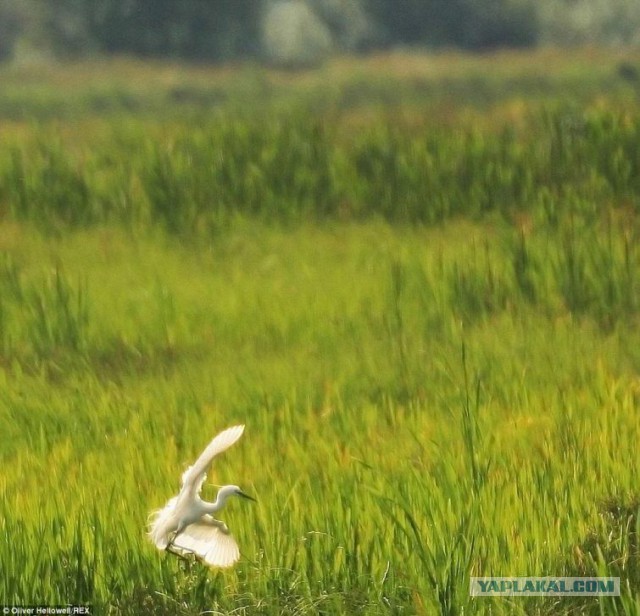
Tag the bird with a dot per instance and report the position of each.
(185, 525)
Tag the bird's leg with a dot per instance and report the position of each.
(170, 544)
(179, 552)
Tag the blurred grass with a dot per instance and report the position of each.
(427, 317)
(351, 382)
(558, 163)
(448, 82)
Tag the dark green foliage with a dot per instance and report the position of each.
(56, 315)
(46, 186)
(220, 30)
(277, 172)
(471, 24)
(59, 316)
(477, 288)
(524, 268)
(563, 167)
(196, 29)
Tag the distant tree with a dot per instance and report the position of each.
(473, 24)
(577, 22)
(194, 29)
(294, 36)
(402, 21)
(496, 23)
(351, 26)
(11, 26)
(218, 30)
(66, 27)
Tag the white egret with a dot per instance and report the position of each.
(185, 524)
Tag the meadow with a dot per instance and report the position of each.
(418, 286)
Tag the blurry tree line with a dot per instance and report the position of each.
(304, 31)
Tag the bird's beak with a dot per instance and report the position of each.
(247, 496)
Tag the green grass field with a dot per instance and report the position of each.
(428, 318)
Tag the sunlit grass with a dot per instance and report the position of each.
(426, 315)
(388, 468)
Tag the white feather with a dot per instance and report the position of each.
(194, 476)
(185, 525)
(214, 546)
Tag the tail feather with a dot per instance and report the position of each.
(162, 526)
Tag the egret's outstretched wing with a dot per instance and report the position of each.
(193, 477)
(209, 542)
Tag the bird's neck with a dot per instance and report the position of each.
(215, 506)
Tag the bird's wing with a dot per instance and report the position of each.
(193, 477)
(209, 542)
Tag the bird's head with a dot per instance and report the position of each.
(227, 491)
